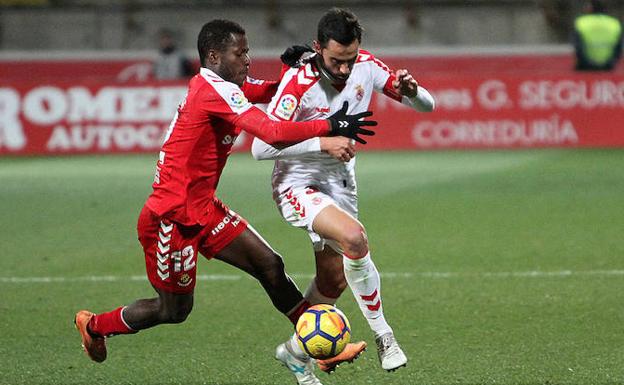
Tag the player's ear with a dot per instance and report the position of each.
(214, 57)
(316, 46)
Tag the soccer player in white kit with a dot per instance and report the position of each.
(314, 182)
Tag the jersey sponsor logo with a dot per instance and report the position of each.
(286, 107)
(254, 81)
(237, 99)
(322, 110)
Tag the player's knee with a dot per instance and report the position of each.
(176, 314)
(355, 242)
(272, 270)
(179, 315)
(332, 286)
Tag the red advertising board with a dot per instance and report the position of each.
(475, 109)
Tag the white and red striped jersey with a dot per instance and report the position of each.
(304, 94)
(200, 139)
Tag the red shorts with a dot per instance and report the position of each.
(171, 248)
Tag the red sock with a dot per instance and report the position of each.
(109, 324)
(295, 313)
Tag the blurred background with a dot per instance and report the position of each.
(502, 71)
(73, 25)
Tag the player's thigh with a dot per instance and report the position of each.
(335, 223)
(222, 228)
(170, 251)
(299, 205)
(173, 303)
(250, 252)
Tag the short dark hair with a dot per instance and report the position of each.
(216, 35)
(340, 25)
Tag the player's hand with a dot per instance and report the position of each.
(339, 147)
(292, 56)
(405, 84)
(350, 125)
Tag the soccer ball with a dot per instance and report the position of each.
(323, 331)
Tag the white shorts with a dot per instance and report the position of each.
(300, 205)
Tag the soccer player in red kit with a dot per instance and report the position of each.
(183, 217)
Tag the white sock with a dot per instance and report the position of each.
(314, 296)
(364, 281)
(295, 348)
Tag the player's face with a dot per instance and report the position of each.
(338, 59)
(234, 61)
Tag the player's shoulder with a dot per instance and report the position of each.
(367, 58)
(209, 81)
(301, 78)
(364, 56)
(210, 87)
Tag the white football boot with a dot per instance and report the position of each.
(390, 354)
(300, 368)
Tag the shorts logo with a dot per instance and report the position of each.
(286, 106)
(312, 190)
(237, 99)
(298, 208)
(182, 260)
(185, 280)
(163, 249)
(230, 218)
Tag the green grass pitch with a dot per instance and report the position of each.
(498, 268)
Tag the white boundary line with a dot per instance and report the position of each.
(236, 277)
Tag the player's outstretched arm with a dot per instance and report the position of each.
(338, 147)
(264, 151)
(273, 132)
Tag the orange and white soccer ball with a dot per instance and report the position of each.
(323, 331)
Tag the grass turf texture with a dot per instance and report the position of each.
(499, 268)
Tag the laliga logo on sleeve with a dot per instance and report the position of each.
(238, 99)
(286, 106)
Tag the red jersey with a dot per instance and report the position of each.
(200, 138)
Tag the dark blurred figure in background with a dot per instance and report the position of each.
(597, 38)
(171, 62)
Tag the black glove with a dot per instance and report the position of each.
(350, 125)
(293, 54)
